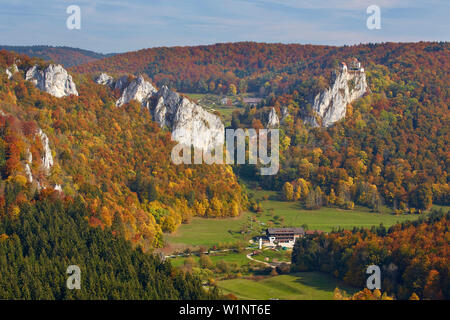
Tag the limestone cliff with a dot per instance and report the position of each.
(109, 81)
(46, 162)
(189, 123)
(105, 79)
(47, 158)
(331, 105)
(54, 79)
(273, 120)
(138, 89)
(11, 71)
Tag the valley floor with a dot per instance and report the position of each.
(239, 280)
(297, 286)
(209, 232)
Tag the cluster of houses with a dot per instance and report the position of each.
(284, 237)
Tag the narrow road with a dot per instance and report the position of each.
(249, 256)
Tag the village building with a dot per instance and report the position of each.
(284, 237)
(252, 101)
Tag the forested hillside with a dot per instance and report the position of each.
(263, 67)
(80, 176)
(116, 159)
(413, 256)
(51, 234)
(66, 56)
(392, 148)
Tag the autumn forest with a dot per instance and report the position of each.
(111, 184)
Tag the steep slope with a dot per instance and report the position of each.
(54, 79)
(261, 68)
(331, 104)
(138, 89)
(38, 245)
(115, 158)
(390, 145)
(273, 120)
(189, 123)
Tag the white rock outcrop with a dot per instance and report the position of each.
(28, 172)
(47, 162)
(54, 79)
(284, 113)
(120, 83)
(190, 124)
(138, 89)
(11, 71)
(331, 105)
(104, 79)
(166, 107)
(273, 120)
(47, 158)
(109, 81)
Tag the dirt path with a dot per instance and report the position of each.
(249, 256)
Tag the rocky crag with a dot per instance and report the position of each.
(189, 123)
(54, 79)
(330, 105)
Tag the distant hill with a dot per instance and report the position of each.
(391, 147)
(262, 68)
(66, 56)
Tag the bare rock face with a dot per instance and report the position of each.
(47, 159)
(273, 119)
(138, 89)
(11, 70)
(190, 124)
(166, 106)
(120, 83)
(105, 79)
(331, 105)
(54, 79)
(27, 166)
(109, 81)
(284, 113)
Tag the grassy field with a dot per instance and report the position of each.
(274, 255)
(232, 257)
(299, 286)
(210, 232)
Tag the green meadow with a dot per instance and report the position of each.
(297, 286)
(209, 232)
(231, 257)
(213, 102)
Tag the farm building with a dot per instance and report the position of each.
(284, 236)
